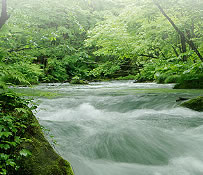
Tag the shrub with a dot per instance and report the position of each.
(190, 81)
(55, 71)
(14, 120)
(129, 77)
(172, 79)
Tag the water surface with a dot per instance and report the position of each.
(123, 128)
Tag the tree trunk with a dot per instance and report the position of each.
(4, 15)
(175, 51)
(184, 40)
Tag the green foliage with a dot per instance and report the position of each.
(14, 119)
(129, 77)
(50, 36)
(140, 32)
(146, 73)
(190, 81)
(19, 73)
(104, 70)
(172, 79)
(55, 71)
(77, 80)
(48, 41)
(78, 64)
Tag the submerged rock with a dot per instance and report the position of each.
(194, 104)
(182, 99)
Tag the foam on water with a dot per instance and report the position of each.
(121, 134)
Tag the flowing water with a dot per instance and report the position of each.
(123, 128)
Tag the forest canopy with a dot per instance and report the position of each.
(64, 40)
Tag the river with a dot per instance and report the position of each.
(124, 128)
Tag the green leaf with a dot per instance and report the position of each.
(6, 134)
(10, 162)
(25, 152)
(4, 146)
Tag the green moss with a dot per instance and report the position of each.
(194, 104)
(31, 92)
(43, 159)
(190, 82)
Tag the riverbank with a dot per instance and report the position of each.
(24, 149)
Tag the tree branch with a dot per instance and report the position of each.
(182, 36)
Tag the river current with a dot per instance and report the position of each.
(124, 128)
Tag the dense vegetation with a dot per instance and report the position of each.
(78, 40)
(14, 121)
(49, 41)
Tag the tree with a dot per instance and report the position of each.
(184, 39)
(4, 15)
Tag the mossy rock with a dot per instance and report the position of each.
(43, 159)
(194, 104)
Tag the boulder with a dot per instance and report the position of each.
(194, 104)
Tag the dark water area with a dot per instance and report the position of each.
(123, 128)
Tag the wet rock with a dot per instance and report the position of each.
(182, 99)
(44, 160)
(194, 104)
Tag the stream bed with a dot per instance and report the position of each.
(124, 128)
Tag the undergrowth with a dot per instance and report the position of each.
(14, 122)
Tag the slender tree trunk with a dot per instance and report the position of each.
(4, 15)
(184, 40)
(184, 47)
(175, 51)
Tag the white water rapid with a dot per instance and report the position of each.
(123, 128)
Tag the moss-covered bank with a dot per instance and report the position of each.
(190, 82)
(44, 160)
(194, 104)
(39, 158)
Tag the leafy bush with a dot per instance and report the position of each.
(31, 72)
(55, 71)
(129, 77)
(147, 73)
(104, 70)
(172, 79)
(10, 75)
(161, 78)
(170, 71)
(190, 81)
(77, 80)
(14, 121)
